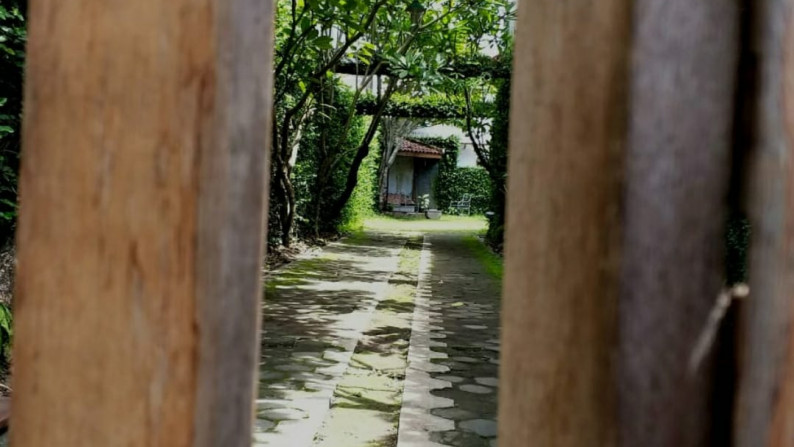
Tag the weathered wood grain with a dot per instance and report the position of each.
(142, 193)
(684, 64)
(765, 407)
(561, 271)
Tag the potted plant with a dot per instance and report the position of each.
(424, 202)
(424, 205)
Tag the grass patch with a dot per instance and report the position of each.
(493, 263)
(447, 224)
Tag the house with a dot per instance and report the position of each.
(412, 176)
(467, 158)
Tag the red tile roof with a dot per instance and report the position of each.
(412, 147)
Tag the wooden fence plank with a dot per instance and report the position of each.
(142, 187)
(684, 64)
(560, 287)
(765, 406)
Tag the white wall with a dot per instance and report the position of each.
(467, 158)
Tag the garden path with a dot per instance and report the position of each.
(385, 339)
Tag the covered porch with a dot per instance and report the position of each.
(411, 177)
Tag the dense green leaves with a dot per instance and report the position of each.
(497, 154)
(424, 107)
(431, 107)
(324, 156)
(6, 335)
(460, 181)
(12, 60)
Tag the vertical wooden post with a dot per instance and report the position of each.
(765, 406)
(143, 181)
(560, 288)
(678, 164)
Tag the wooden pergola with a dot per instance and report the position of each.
(144, 186)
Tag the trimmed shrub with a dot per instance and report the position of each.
(460, 181)
(363, 202)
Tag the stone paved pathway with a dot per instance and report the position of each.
(315, 312)
(318, 310)
(450, 395)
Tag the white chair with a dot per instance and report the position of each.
(463, 204)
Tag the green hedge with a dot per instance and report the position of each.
(460, 181)
(363, 202)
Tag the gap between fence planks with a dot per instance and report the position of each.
(765, 406)
(142, 190)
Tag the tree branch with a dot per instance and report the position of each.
(477, 145)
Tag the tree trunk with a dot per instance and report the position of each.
(383, 189)
(363, 151)
(320, 185)
(288, 218)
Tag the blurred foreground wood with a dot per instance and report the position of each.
(628, 121)
(683, 79)
(567, 139)
(143, 184)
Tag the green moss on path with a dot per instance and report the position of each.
(366, 404)
(493, 263)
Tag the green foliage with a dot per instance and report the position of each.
(737, 241)
(6, 334)
(492, 263)
(498, 150)
(460, 181)
(428, 106)
(12, 61)
(362, 203)
(326, 151)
